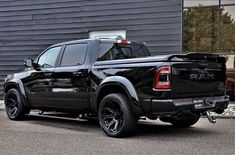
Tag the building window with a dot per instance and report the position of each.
(197, 3)
(209, 26)
(200, 29)
(227, 29)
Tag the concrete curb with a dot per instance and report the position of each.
(222, 116)
(2, 106)
(225, 117)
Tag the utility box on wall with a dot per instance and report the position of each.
(107, 34)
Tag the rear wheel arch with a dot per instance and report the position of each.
(111, 88)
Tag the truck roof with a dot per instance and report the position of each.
(103, 40)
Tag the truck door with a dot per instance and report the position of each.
(39, 84)
(71, 78)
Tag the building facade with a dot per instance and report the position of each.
(27, 27)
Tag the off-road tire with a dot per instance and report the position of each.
(115, 116)
(14, 105)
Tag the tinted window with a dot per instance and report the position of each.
(74, 55)
(48, 58)
(122, 51)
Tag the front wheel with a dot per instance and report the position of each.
(115, 115)
(14, 107)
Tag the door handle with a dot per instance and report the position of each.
(48, 74)
(78, 73)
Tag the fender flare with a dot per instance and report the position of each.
(19, 85)
(122, 82)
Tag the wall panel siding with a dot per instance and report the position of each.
(27, 27)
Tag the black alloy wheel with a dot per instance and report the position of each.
(112, 117)
(13, 105)
(115, 116)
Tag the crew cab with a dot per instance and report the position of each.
(120, 82)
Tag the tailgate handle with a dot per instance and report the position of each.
(202, 65)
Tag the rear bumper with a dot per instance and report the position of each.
(199, 104)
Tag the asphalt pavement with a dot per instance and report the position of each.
(42, 135)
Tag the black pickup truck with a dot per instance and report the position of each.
(120, 82)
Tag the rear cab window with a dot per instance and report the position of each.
(116, 51)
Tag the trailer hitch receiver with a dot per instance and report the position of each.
(210, 117)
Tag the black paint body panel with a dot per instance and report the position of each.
(77, 88)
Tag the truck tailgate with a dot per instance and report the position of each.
(198, 78)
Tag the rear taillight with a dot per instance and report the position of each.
(163, 78)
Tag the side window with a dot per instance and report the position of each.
(74, 54)
(48, 58)
(104, 52)
(115, 51)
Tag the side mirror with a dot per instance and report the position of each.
(28, 62)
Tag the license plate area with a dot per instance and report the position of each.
(203, 103)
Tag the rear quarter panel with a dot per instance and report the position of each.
(140, 75)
